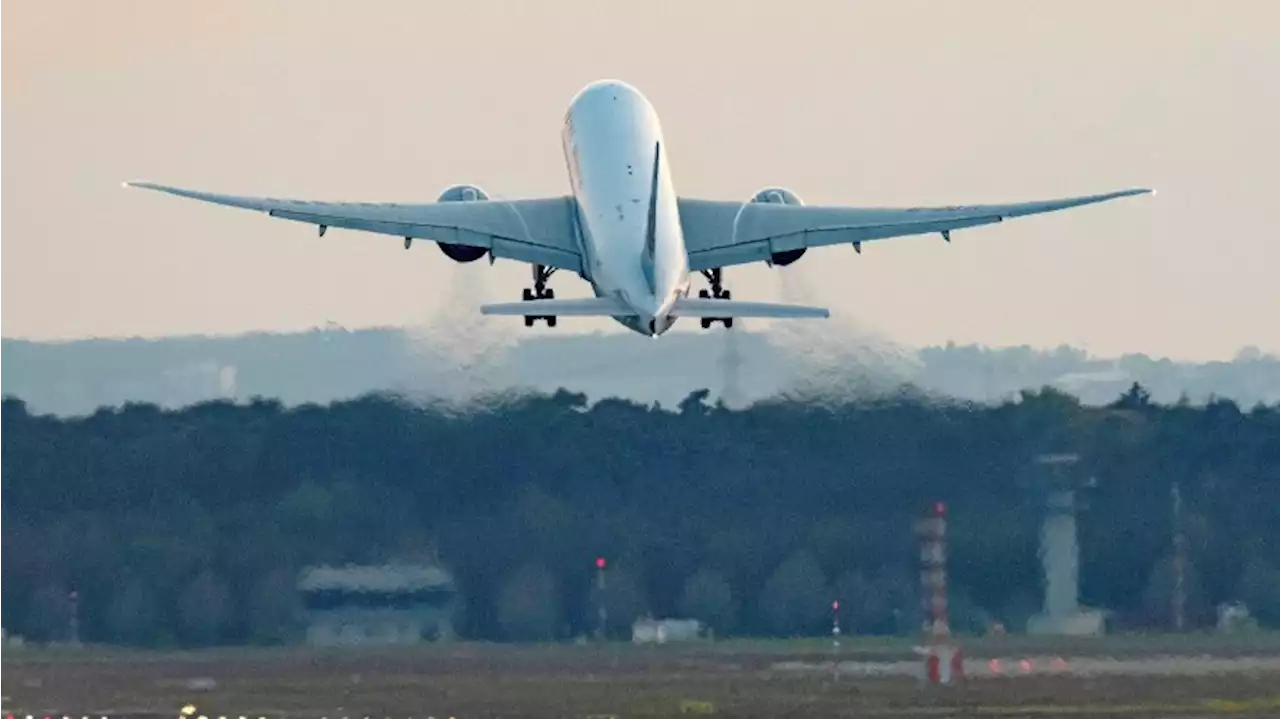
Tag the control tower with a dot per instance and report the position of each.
(1060, 555)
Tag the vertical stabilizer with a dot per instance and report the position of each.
(651, 224)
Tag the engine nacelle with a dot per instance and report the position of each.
(462, 193)
(781, 196)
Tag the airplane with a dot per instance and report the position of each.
(624, 229)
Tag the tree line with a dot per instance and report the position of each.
(188, 527)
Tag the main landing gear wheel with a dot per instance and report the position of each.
(718, 292)
(540, 292)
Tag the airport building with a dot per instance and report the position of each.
(660, 631)
(381, 604)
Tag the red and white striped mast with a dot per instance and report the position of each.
(933, 573)
(943, 660)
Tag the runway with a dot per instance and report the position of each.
(1052, 665)
(756, 679)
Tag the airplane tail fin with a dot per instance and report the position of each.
(697, 307)
(651, 222)
(584, 307)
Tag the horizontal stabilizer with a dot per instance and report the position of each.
(690, 307)
(585, 307)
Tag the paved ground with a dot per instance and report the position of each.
(748, 679)
(1011, 667)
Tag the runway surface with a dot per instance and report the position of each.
(1077, 666)
(727, 679)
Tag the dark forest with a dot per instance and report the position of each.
(188, 527)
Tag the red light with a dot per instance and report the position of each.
(939, 508)
(600, 563)
(835, 606)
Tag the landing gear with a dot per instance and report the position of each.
(718, 292)
(540, 292)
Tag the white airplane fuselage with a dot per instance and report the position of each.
(611, 140)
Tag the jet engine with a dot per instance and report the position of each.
(781, 196)
(462, 193)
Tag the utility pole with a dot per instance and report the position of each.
(602, 611)
(835, 623)
(1179, 563)
(73, 619)
(835, 639)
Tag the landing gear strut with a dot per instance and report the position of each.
(540, 292)
(717, 292)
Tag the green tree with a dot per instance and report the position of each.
(707, 597)
(133, 615)
(49, 615)
(1158, 597)
(885, 603)
(624, 602)
(795, 600)
(1260, 591)
(204, 610)
(249, 493)
(274, 608)
(529, 606)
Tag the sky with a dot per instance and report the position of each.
(899, 103)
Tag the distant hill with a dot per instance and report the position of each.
(739, 367)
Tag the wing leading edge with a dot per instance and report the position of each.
(721, 234)
(536, 231)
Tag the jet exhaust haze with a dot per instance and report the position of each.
(839, 360)
(462, 357)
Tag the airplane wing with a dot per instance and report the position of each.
(536, 231)
(721, 234)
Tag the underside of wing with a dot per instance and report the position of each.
(721, 234)
(536, 231)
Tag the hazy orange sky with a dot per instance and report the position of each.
(886, 103)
